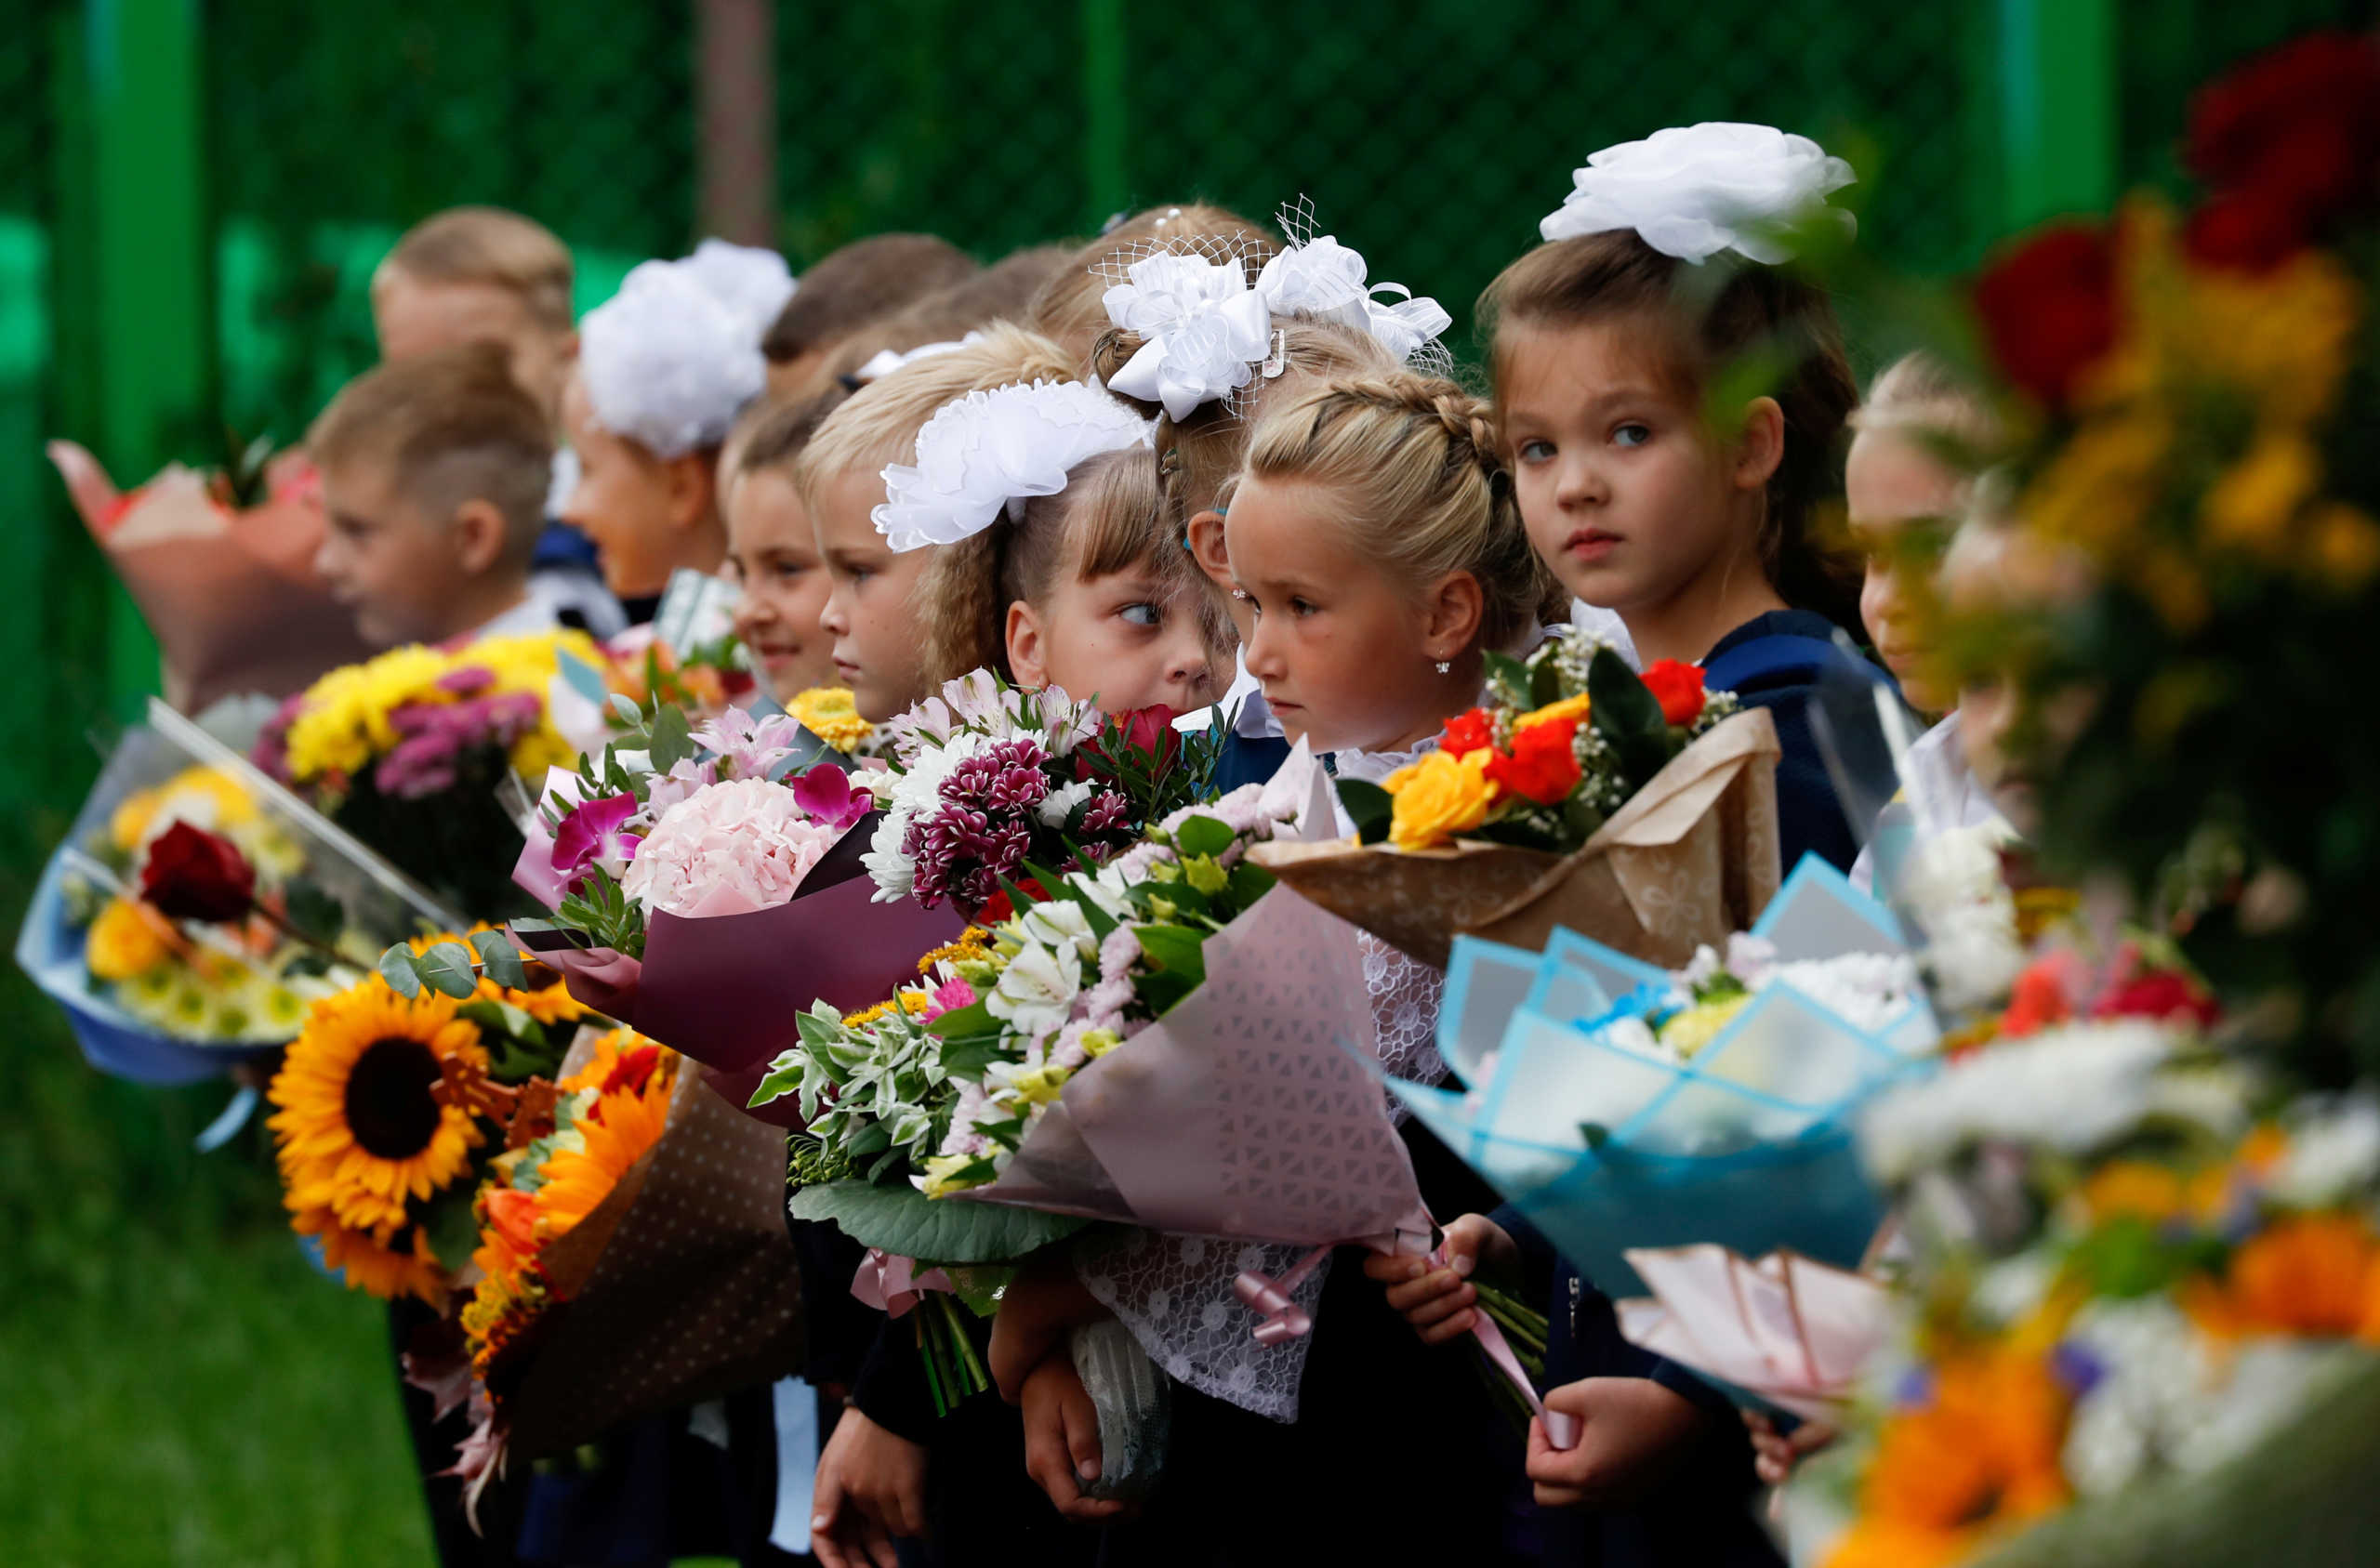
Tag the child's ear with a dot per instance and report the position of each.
(693, 484)
(1762, 445)
(1207, 546)
(1025, 661)
(566, 349)
(478, 535)
(1456, 607)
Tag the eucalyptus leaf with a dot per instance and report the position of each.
(396, 968)
(672, 741)
(447, 970)
(901, 1220)
(502, 963)
(625, 709)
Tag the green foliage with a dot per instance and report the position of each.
(901, 1219)
(1369, 806)
(1629, 718)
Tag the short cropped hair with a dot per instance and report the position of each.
(489, 246)
(450, 426)
(858, 283)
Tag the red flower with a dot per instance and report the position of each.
(633, 1071)
(2298, 126)
(2247, 231)
(1148, 730)
(193, 874)
(1678, 687)
(2049, 308)
(2039, 999)
(1469, 731)
(1542, 767)
(2163, 995)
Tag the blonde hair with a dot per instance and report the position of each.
(879, 424)
(488, 245)
(1105, 520)
(451, 426)
(1415, 469)
(1917, 392)
(1071, 310)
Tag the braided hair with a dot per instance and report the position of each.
(1416, 470)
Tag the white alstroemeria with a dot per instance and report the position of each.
(1036, 989)
(1062, 802)
(1060, 924)
(1692, 192)
(1065, 723)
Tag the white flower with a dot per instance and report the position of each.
(916, 791)
(1062, 923)
(1692, 192)
(2333, 1155)
(1974, 957)
(1036, 989)
(1061, 802)
(982, 453)
(1866, 990)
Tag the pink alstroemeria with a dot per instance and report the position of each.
(591, 839)
(825, 796)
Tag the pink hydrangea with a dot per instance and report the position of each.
(729, 849)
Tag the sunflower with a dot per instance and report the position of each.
(399, 1263)
(362, 1127)
(634, 1078)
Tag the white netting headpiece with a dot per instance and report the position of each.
(671, 360)
(1207, 330)
(1692, 192)
(988, 452)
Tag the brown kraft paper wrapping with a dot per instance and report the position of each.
(1691, 858)
(678, 1287)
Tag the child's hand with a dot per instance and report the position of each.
(1631, 1432)
(1437, 1301)
(1062, 1440)
(871, 1486)
(1775, 1454)
(1040, 1304)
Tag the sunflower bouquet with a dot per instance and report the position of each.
(1637, 810)
(409, 751)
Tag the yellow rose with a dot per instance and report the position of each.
(124, 941)
(1569, 707)
(1438, 797)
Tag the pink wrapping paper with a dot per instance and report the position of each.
(1248, 1110)
(1793, 1332)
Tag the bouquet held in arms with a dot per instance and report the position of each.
(1639, 810)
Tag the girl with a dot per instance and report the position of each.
(775, 556)
(663, 367)
(1071, 311)
(1699, 529)
(1374, 534)
(1071, 582)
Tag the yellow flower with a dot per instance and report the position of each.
(613, 1133)
(1569, 707)
(128, 939)
(829, 713)
(1205, 875)
(2341, 547)
(940, 1172)
(342, 722)
(2097, 489)
(974, 945)
(1039, 1086)
(201, 797)
(900, 1001)
(2251, 506)
(1097, 1043)
(1438, 797)
(1692, 1028)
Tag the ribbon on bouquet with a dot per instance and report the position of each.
(891, 1284)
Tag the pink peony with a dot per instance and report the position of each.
(728, 849)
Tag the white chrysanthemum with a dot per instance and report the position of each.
(915, 791)
(990, 451)
(2333, 1157)
(1692, 192)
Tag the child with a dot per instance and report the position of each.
(1701, 535)
(665, 365)
(434, 474)
(1374, 534)
(775, 555)
(870, 612)
(1067, 580)
(1071, 310)
(849, 288)
(484, 275)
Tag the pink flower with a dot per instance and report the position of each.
(949, 996)
(749, 747)
(729, 849)
(667, 789)
(591, 837)
(826, 793)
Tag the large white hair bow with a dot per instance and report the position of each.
(673, 356)
(1692, 192)
(1325, 279)
(989, 451)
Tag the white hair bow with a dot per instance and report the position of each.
(990, 451)
(1692, 192)
(673, 356)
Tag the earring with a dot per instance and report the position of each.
(1445, 666)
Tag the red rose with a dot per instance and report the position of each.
(1148, 730)
(1678, 687)
(1542, 767)
(1469, 731)
(2049, 308)
(193, 874)
(2248, 231)
(2298, 126)
(2166, 996)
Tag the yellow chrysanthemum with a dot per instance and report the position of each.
(362, 1133)
(342, 723)
(128, 939)
(910, 1001)
(974, 945)
(829, 713)
(614, 1132)
(203, 796)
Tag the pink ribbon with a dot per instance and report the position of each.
(891, 1284)
(1561, 1430)
(1269, 1298)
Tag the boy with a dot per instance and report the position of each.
(434, 474)
(847, 289)
(484, 275)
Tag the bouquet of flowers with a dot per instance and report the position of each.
(385, 1105)
(686, 656)
(1641, 810)
(222, 567)
(195, 908)
(630, 1257)
(408, 751)
(1784, 1331)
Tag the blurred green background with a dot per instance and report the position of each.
(191, 200)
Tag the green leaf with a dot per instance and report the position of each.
(1626, 715)
(672, 742)
(1176, 949)
(1510, 680)
(447, 970)
(313, 911)
(453, 1229)
(1370, 806)
(1544, 685)
(1202, 835)
(502, 963)
(625, 710)
(778, 1083)
(969, 1057)
(901, 1219)
(959, 1022)
(397, 969)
